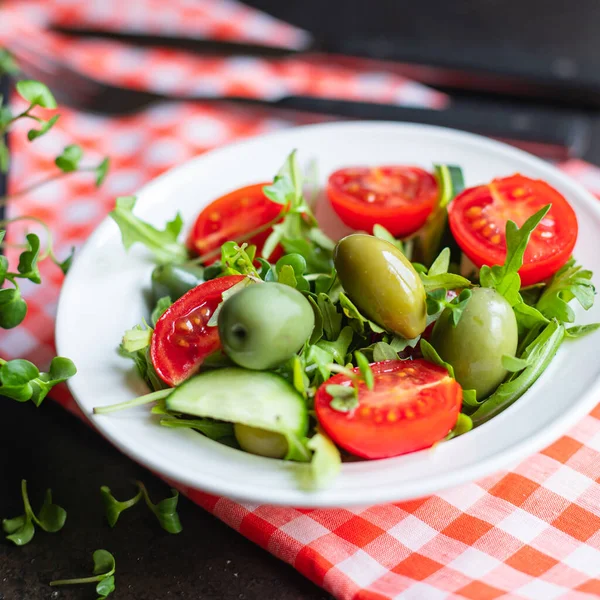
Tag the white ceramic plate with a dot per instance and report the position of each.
(104, 295)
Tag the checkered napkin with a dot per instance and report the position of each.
(531, 533)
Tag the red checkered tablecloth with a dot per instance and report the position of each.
(530, 533)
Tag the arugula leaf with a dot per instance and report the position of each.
(114, 507)
(104, 571)
(12, 308)
(325, 464)
(365, 369)
(538, 354)
(338, 348)
(101, 171)
(321, 359)
(162, 243)
(441, 264)
(141, 357)
(165, 511)
(569, 282)
(36, 93)
(379, 231)
(317, 332)
(399, 343)
(514, 364)
(429, 353)
(505, 278)
(46, 126)
(528, 317)
(70, 158)
(357, 320)
(464, 424)
(161, 306)
(581, 330)
(215, 430)
(21, 530)
(446, 281)
(344, 398)
(332, 320)
(28, 260)
(383, 351)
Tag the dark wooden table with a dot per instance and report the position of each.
(208, 560)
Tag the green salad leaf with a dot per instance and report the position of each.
(162, 243)
(104, 575)
(51, 518)
(325, 465)
(215, 430)
(570, 282)
(165, 511)
(114, 507)
(464, 424)
(70, 158)
(505, 279)
(36, 93)
(537, 355)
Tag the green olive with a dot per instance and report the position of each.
(260, 441)
(174, 281)
(265, 324)
(487, 329)
(382, 283)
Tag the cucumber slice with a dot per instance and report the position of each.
(255, 398)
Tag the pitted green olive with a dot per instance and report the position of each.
(382, 283)
(487, 329)
(265, 324)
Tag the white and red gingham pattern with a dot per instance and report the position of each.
(530, 533)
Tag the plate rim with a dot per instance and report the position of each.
(386, 493)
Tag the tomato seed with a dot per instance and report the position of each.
(479, 224)
(473, 211)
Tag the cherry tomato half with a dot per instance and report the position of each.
(398, 197)
(478, 218)
(232, 216)
(413, 404)
(182, 339)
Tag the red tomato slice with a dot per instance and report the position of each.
(399, 198)
(181, 339)
(478, 218)
(413, 404)
(232, 216)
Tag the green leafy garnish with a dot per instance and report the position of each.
(27, 266)
(36, 93)
(513, 364)
(365, 369)
(101, 171)
(12, 307)
(581, 330)
(379, 231)
(505, 279)
(70, 158)
(538, 356)
(357, 321)
(464, 424)
(215, 430)
(383, 351)
(114, 507)
(438, 278)
(8, 65)
(569, 282)
(436, 302)
(162, 243)
(165, 511)
(325, 464)
(338, 349)
(45, 127)
(104, 575)
(21, 530)
(344, 398)
(21, 380)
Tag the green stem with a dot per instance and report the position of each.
(43, 224)
(81, 580)
(26, 503)
(40, 183)
(146, 399)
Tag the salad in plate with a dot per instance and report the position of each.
(441, 310)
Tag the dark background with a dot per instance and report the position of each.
(549, 40)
